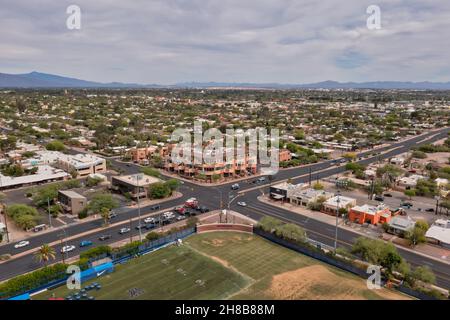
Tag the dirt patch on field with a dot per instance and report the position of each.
(215, 242)
(319, 283)
(221, 242)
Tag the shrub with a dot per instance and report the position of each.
(32, 280)
(95, 252)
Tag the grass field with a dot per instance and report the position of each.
(228, 265)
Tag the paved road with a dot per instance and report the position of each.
(212, 197)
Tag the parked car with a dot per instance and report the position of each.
(67, 249)
(191, 202)
(124, 230)
(379, 198)
(85, 243)
(112, 214)
(140, 226)
(180, 209)
(387, 195)
(235, 186)
(150, 226)
(168, 215)
(242, 204)
(149, 220)
(155, 207)
(179, 218)
(21, 244)
(406, 204)
(203, 209)
(104, 237)
(430, 210)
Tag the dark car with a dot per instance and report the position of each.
(379, 198)
(203, 209)
(388, 195)
(112, 215)
(150, 226)
(104, 237)
(155, 207)
(429, 210)
(140, 226)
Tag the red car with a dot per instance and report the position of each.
(180, 210)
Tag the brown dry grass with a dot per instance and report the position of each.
(317, 282)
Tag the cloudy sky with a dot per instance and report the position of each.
(285, 41)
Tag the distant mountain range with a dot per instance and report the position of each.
(43, 80)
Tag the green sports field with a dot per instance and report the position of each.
(228, 265)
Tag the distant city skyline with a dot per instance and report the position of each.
(254, 41)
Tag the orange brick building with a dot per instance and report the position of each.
(370, 214)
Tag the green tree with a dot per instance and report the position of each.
(104, 212)
(151, 172)
(55, 145)
(410, 193)
(102, 200)
(159, 190)
(269, 224)
(424, 274)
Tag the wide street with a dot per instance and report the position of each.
(212, 197)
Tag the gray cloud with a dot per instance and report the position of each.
(167, 41)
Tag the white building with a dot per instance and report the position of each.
(332, 205)
(439, 233)
(44, 174)
(410, 182)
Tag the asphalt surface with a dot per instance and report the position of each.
(212, 197)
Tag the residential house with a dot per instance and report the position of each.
(439, 233)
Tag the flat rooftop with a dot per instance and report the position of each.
(137, 180)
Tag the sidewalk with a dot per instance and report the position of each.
(426, 250)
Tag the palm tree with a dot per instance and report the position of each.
(45, 253)
(104, 212)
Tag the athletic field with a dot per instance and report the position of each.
(228, 265)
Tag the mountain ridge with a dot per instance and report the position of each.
(36, 79)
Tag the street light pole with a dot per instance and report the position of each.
(337, 214)
(139, 207)
(49, 214)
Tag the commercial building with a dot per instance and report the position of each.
(82, 164)
(140, 155)
(370, 214)
(44, 174)
(71, 201)
(283, 191)
(332, 205)
(400, 225)
(136, 185)
(307, 196)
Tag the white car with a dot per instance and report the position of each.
(66, 249)
(149, 220)
(242, 204)
(179, 218)
(22, 244)
(124, 230)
